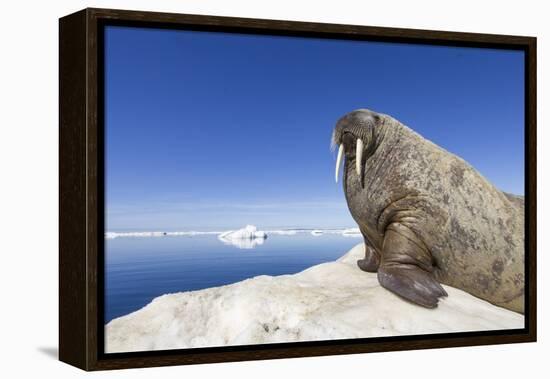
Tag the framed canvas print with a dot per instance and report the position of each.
(237, 189)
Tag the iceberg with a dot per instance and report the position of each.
(332, 300)
(245, 238)
(248, 232)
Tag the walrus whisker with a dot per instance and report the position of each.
(339, 161)
(333, 142)
(359, 157)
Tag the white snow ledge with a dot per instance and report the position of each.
(329, 301)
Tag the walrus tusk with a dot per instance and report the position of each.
(339, 161)
(359, 157)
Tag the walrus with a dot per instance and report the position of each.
(428, 217)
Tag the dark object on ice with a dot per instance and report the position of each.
(427, 216)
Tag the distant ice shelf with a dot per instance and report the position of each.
(350, 232)
(111, 235)
(246, 233)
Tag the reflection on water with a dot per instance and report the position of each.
(138, 269)
(243, 243)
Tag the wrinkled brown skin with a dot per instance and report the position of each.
(428, 217)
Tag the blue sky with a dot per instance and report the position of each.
(213, 131)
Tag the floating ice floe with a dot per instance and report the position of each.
(245, 238)
(248, 232)
(111, 235)
(285, 232)
(334, 300)
(352, 232)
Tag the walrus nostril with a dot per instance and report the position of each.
(348, 140)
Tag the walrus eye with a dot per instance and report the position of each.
(359, 157)
(339, 160)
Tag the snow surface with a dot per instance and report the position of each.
(329, 301)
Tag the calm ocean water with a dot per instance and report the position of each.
(138, 269)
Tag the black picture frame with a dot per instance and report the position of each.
(81, 194)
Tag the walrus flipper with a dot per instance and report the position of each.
(371, 262)
(406, 268)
